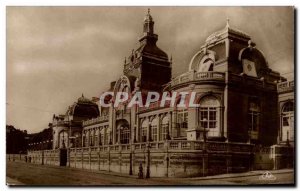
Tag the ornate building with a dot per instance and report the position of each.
(243, 102)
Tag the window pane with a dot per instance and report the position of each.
(204, 124)
(250, 121)
(212, 115)
(212, 125)
(204, 115)
(285, 121)
(255, 122)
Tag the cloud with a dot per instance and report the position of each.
(54, 54)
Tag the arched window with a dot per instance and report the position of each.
(96, 137)
(287, 121)
(101, 136)
(125, 134)
(83, 139)
(164, 128)
(91, 143)
(154, 129)
(86, 141)
(63, 139)
(208, 115)
(77, 139)
(144, 128)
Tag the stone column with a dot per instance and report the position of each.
(148, 129)
(172, 124)
(225, 107)
(221, 123)
(138, 127)
(159, 137)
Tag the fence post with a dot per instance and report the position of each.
(42, 157)
(90, 152)
(98, 157)
(82, 157)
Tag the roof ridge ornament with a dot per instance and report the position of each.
(227, 22)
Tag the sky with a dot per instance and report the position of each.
(54, 54)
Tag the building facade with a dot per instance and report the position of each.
(242, 102)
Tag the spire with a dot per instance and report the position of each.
(148, 23)
(148, 30)
(227, 22)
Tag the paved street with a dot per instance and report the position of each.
(19, 173)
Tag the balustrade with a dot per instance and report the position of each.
(95, 120)
(285, 86)
(198, 76)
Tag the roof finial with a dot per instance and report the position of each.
(148, 11)
(227, 22)
(82, 95)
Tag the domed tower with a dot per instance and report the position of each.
(148, 63)
(70, 125)
(236, 90)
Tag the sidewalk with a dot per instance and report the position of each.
(12, 182)
(221, 176)
(243, 174)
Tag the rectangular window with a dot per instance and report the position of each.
(285, 121)
(154, 133)
(208, 117)
(95, 141)
(182, 122)
(107, 136)
(164, 129)
(144, 134)
(253, 121)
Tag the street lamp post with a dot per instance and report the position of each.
(204, 162)
(148, 161)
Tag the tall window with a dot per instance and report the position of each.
(209, 115)
(96, 138)
(86, 141)
(125, 135)
(154, 129)
(253, 115)
(101, 136)
(164, 128)
(83, 139)
(144, 128)
(107, 136)
(91, 138)
(63, 139)
(182, 121)
(287, 122)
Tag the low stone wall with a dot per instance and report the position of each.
(263, 159)
(16, 157)
(163, 159)
(283, 156)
